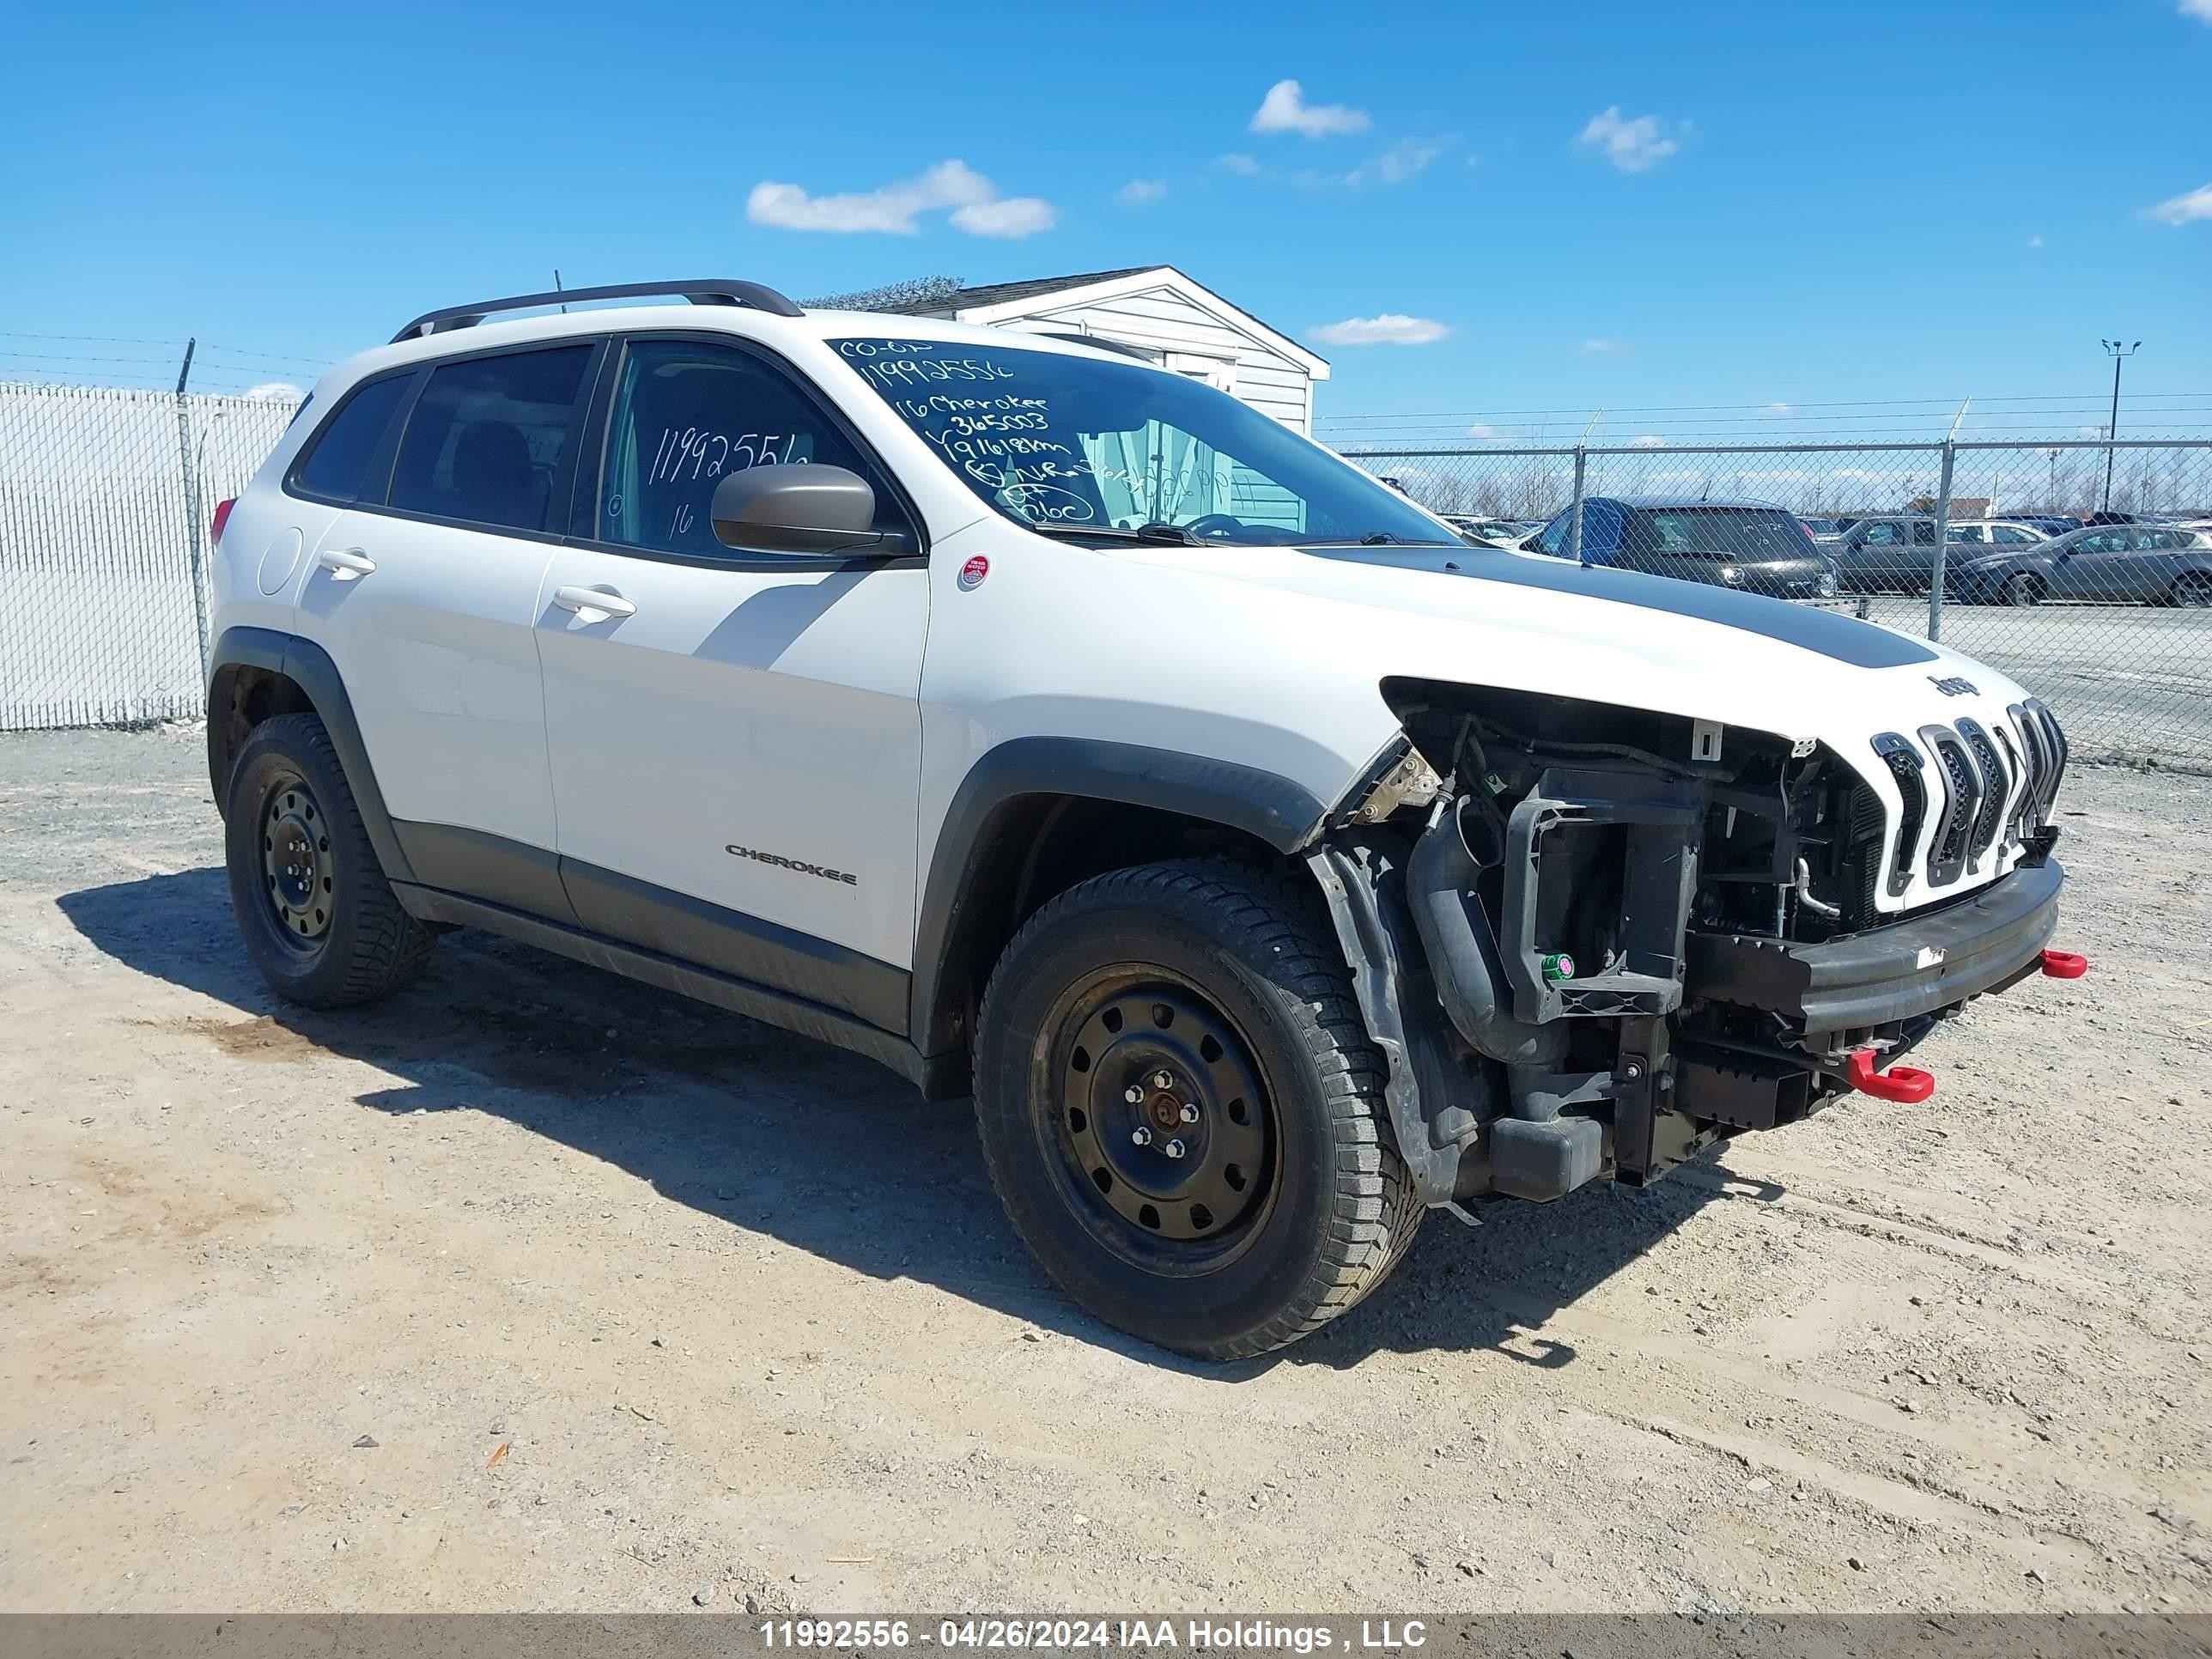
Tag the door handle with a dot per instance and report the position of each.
(593, 605)
(345, 563)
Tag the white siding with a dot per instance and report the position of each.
(1163, 321)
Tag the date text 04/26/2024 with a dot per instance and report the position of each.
(997, 1635)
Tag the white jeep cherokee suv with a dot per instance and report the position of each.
(1271, 865)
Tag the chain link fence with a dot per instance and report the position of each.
(2081, 568)
(104, 501)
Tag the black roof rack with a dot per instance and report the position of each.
(707, 291)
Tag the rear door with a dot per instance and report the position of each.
(425, 594)
(735, 737)
(2086, 570)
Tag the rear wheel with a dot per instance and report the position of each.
(2025, 588)
(2192, 588)
(318, 916)
(1182, 1112)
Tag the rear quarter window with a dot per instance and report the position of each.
(336, 464)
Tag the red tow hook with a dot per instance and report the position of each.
(2064, 964)
(1906, 1083)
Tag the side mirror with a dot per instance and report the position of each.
(801, 507)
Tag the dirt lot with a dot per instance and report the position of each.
(535, 1288)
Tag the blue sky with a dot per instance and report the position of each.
(1586, 206)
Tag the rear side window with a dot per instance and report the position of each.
(490, 437)
(1716, 532)
(336, 467)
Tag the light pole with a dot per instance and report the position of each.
(2119, 355)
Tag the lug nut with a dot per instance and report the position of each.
(1133, 1095)
(1162, 1080)
(1189, 1113)
(1140, 1136)
(1174, 1148)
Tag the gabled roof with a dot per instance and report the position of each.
(993, 294)
(993, 302)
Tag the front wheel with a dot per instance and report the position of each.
(2023, 590)
(1182, 1112)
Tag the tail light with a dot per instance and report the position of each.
(221, 518)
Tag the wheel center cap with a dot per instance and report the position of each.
(1165, 1111)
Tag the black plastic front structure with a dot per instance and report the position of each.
(1655, 846)
(1885, 974)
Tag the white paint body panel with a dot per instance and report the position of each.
(436, 649)
(776, 711)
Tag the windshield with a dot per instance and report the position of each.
(1716, 532)
(1081, 444)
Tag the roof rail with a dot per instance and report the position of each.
(707, 291)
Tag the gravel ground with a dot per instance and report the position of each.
(533, 1288)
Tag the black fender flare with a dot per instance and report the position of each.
(309, 666)
(1273, 808)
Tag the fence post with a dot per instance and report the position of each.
(1574, 511)
(188, 472)
(1943, 542)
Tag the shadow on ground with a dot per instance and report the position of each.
(819, 1149)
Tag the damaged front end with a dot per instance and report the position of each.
(1592, 940)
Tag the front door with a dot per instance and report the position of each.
(424, 591)
(735, 739)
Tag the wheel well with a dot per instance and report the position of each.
(1038, 847)
(241, 697)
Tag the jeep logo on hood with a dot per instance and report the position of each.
(1952, 685)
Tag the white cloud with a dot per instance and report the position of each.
(1285, 110)
(1011, 217)
(1482, 429)
(276, 392)
(1391, 328)
(1137, 192)
(1402, 161)
(2189, 205)
(1632, 146)
(1243, 166)
(2037, 241)
(978, 209)
(1605, 347)
(1777, 410)
(1647, 441)
(2197, 9)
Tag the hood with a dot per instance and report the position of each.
(1476, 616)
(1480, 616)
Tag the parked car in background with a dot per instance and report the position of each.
(1892, 554)
(1821, 530)
(1752, 546)
(2114, 564)
(1993, 532)
(2051, 523)
(1487, 533)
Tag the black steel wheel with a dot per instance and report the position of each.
(1168, 1136)
(1182, 1114)
(2024, 589)
(318, 916)
(295, 859)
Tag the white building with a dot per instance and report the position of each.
(1156, 309)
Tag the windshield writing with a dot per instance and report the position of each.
(1063, 440)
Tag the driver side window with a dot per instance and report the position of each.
(686, 414)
